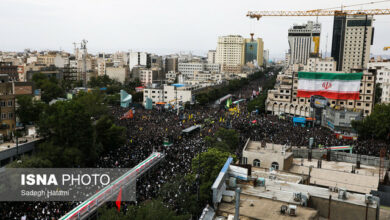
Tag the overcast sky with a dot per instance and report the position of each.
(161, 26)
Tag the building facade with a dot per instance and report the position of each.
(304, 42)
(171, 64)
(320, 65)
(139, 59)
(169, 94)
(283, 98)
(7, 106)
(9, 69)
(382, 78)
(121, 74)
(230, 51)
(188, 69)
(352, 40)
(211, 56)
(253, 51)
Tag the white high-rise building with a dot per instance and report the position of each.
(211, 56)
(320, 65)
(230, 52)
(139, 59)
(382, 78)
(304, 41)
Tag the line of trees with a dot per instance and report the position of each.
(75, 132)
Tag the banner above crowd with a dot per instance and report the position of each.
(329, 85)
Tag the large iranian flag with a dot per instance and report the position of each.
(329, 85)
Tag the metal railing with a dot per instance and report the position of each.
(89, 206)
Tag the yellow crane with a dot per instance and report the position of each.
(259, 14)
(323, 12)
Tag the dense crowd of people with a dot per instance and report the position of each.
(148, 128)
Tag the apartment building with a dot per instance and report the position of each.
(283, 98)
(382, 78)
(320, 65)
(304, 42)
(188, 69)
(352, 40)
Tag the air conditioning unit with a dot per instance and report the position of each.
(342, 194)
(283, 209)
(297, 197)
(292, 210)
(368, 199)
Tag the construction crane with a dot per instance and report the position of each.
(386, 48)
(324, 12)
(259, 14)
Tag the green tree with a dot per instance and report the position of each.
(258, 103)
(49, 86)
(210, 164)
(68, 129)
(202, 98)
(226, 140)
(93, 102)
(109, 135)
(376, 125)
(378, 93)
(28, 110)
(31, 161)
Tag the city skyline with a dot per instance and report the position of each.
(159, 27)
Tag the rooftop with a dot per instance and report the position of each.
(4, 146)
(278, 175)
(338, 174)
(259, 208)
(284, 192)
(270, 148)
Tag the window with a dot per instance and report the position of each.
(256, 163)
(341, 103)
(3, 115)
(359, 104)
(350, 103)
(153, 91)
(10, 115)
(275, 165)
(146, 91)
(367, 104)
(333, 102)
(368, 91)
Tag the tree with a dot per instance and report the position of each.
(93, 102)
(31, 161)
(258, 103)
(68, 129)
(109, 135)
(202, 99)
(378, 93)
(28, 110)
(376, 125)
(225, 140)
(211, 162)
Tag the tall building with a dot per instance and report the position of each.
(266, 57)
(9, 69)
(211, 56)
(139, 59)
(171, 64)
(253, 51)
(352, 39)
(7, 106)
(304, 41)
(230, 50)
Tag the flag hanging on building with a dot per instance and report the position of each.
(329, 85)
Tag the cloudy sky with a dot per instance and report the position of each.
(161, 26)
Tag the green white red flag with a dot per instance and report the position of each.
(329, 85)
